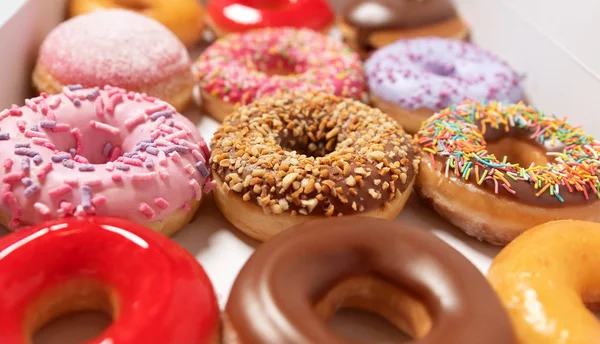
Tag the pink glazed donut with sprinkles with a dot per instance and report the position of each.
(412, 79)
(240, 68)
(118, 48)
(105, 152)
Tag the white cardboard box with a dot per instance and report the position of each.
(543, 38)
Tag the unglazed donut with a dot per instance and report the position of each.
(105, 152)
(554, 174)
(284, 160)
(293, 284)
(242, 67)
(118, 48)
(227, 16)
(412, 79)
(105, 264)
(545, 278)
(183, 17)
(368, 25)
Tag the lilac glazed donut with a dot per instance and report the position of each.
(104, 152)
(412, 79)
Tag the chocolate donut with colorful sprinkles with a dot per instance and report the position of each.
(495, 170)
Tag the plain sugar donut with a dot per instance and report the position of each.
(118, 48)
(292, 158)
(100, 152)
(554, 175)
(546, 277)
(154, 290)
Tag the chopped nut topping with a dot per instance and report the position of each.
(313, 153)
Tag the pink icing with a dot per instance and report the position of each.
(234, 68)
(113, 47)
(80, 171)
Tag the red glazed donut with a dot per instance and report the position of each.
(226, 16)
(155, 291)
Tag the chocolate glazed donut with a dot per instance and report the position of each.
(376, 23)
(294, 283)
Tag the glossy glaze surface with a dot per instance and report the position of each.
(160, 293)
(243, 15)
(545, 278)
(273, 299)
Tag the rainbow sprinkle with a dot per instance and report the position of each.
(457, 135)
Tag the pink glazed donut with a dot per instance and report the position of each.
(100, 152)
(119, 48)
(242, 67)
(414, 78)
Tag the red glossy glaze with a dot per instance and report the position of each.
(243, 15)
(163, 294)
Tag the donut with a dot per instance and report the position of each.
(291, 158)
(546, 277)
(137, 276)
(185, 18)
(412, 79)
(467, 176)
(100, 152)
(118, 48)
(293, 284)
(242, 67)
(368, 25)
(228, 16)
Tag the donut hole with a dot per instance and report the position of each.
(370, 300)
(81, 308)
(316, 144)
(441, 68)
(517, 150)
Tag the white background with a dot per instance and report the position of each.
(551, 41)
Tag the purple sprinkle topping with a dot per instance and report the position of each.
(149, 163)
(163, 113)
(38, 159)
(86, 197)
(26, 151)
(87, 168)
(202, 169)
(106, 149)
(76, 102)
(121, 166)
(171, 123)
(68, 163)
(152, 150)
(25, 164)
(34, 127)
(146, 141)
(73, 151)
(31, 190)
(176, 148)
(22, 145)
(26, 181)
(4, 136)
(93, 94)
(75, 87)
(48, 124)
(60, 157)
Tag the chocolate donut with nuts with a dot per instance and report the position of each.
(291, 158)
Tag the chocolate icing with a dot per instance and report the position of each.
(395, 15)
(273, 298)
(300, 125)
(524, 190)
